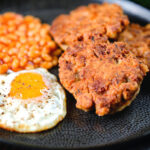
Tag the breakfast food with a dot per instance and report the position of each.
(31, 101)
(104, 75)
(87, 21)
(137, 39)
(25, 43)
(98, 72)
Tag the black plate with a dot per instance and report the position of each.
(80, 129)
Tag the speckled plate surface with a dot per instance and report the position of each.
(80, 129)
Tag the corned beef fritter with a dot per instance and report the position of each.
(137, 39)
(85, 21)
(106, 76)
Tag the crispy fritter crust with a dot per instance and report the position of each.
(104, 75)
(85, 21)
(138, 41)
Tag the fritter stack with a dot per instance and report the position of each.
(98, 72)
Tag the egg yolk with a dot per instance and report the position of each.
(27, 85)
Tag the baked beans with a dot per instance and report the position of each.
(25, 43)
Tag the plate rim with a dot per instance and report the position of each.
(126, 140)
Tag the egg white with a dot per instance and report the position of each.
(31, 116)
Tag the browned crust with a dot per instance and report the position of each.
(86, 21)
(137, 39)
(103, 75)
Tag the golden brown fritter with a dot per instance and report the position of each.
(137, 39)
(104, 75)
(85, 21)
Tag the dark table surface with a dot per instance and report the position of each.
(142, 143)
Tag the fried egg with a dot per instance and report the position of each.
(31, 101)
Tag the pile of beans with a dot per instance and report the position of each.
(25, 43)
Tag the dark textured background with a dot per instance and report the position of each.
(138, 144)
(144, 3)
